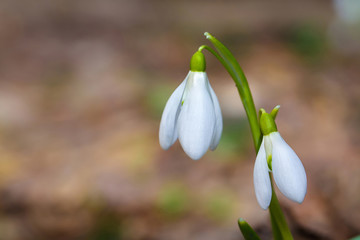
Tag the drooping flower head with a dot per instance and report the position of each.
(276, 156)
(192, 113)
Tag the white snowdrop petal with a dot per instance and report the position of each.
(218, 120)
(168, 132)
(268, 146)
(262, 183)
(288, 171)
(196, 120)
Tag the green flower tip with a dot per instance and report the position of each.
(197, 62)
(267, 123)
(261, 111)
(275, 111)
(207, 35)
(241, 221)
(247, 231)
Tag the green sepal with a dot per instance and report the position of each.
(267, 123)
(197, 62)
(261, 111)
(247, 231)
(275, 111)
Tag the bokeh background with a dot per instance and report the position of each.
(82, 88)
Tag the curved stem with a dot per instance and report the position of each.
(202, 47)
(278, 222)
(237, 74)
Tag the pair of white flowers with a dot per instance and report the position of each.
(193, 115)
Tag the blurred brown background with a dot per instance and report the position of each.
(82, 88)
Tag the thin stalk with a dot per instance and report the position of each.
(278, 222)
(202, 47)
(237, 74)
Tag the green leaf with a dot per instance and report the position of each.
(355, 238)
(247, 231)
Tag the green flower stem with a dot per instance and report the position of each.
(237, 74)
(278, 222)
(202, 47)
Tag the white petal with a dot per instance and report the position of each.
(262, 183)
(196, 121)
(168, 132)
(288, 171)
(218, 120)
(268, 146)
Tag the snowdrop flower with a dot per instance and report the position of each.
(277, 156)
(192, 113)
